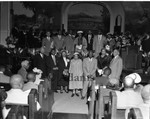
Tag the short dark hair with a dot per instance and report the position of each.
(107, 71)
(29, 76)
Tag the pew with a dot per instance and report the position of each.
(3, 96)
(103, 98)
(99, 99)
(92, 101)
(29, 110)
(113, 113)
(46, 98)
(134, 113)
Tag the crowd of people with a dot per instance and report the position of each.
(75, 61)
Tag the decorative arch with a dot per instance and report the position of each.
(112, 8)
(118, 20)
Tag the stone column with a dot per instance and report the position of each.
(4, 21)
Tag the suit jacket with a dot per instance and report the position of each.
(4, 78)
(22, 71)
(40, 63)
(69, 43)
(50, 64)
(98, 45)
(90, 44)
(47, 44)
(116, 66)
(89, 67)
(83, 42)
(59, 43)
(102, 81)
(62, 66)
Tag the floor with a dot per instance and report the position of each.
(64, 103)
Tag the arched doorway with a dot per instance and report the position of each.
(114, 9)
(88, 16)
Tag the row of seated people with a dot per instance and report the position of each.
(19, 95)
(108, 102)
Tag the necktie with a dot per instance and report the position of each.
(54, 59)
(99, 38)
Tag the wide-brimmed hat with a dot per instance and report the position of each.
(135, 76)
(78, 32)
(76, 53)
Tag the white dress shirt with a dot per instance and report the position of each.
(65, 60)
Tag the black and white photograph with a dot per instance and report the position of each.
(74, 59)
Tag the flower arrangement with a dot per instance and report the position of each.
(66, 72)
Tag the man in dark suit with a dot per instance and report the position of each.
(89, 41)
(52, 67)
(40, 62)
(47, 43)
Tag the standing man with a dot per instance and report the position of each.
(52, 67)
(69, 43)
(59, 41)
(40, 62)
(116, 66)
(99, 42)
(89, 71)
(47, 43)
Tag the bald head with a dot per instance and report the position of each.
(16, 81)
(31, 76)
(146, 93)
(128, 82)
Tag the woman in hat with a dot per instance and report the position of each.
(80, 42)
(76, 75)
